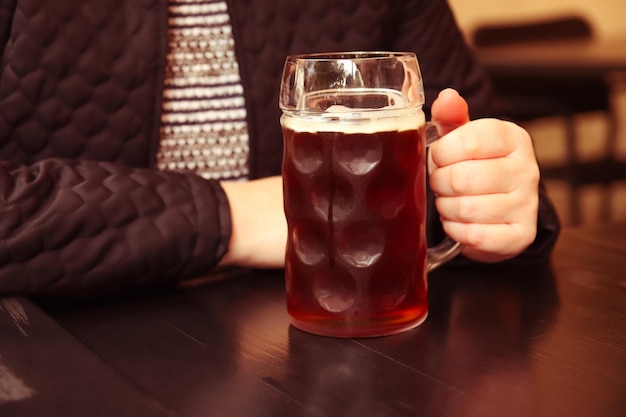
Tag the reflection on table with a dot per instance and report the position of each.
(531, 341)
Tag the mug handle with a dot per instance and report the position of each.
(448, 248)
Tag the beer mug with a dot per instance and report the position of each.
(354, 180)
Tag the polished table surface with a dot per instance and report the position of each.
(499, 341)
(594, 56)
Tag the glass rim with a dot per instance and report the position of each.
(306, 75)
(353, 55)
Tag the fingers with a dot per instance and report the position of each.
(450, 107)
(507, 162)
(474, 177)
(480, 139)
(486, 179)
(490, 242)
(505, 208)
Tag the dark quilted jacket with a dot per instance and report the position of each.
(81, 210)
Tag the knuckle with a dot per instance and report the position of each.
(436, 180)
(458, 179)
(519, 239)
(530, 238)
(526, 235)
(474, 235)
(472, 142)
(511, 135)
(466, 208)
(534, 173)
(526, 204)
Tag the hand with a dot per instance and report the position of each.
(259, 228)
(486, 181)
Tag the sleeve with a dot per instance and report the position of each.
(428, 28)
(80, 228)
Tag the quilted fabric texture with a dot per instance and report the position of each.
(267, 31)
(79, 108)
(78, 81)
(81, 211)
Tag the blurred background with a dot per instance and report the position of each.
(578, 118)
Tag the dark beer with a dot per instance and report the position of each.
(355, 207)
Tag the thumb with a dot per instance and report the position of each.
(450, 108)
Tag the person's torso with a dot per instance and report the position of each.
(84, 78)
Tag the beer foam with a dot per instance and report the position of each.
(345, 120)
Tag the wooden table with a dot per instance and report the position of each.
(595, 56)
(499, 341)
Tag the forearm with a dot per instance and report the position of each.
(90, 228)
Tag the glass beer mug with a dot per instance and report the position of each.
(354, 179)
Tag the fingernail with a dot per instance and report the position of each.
(449, 90)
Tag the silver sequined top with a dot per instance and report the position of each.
(203, 124)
